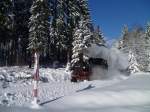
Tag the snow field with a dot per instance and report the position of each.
(57, 93)
(16, 85)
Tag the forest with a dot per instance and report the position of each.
(58, 26)
(135, 43)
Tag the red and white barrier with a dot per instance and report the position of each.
(36, 79)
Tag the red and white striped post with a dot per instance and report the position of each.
(36, 78)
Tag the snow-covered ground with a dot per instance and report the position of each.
(16, 85)
(57, 93)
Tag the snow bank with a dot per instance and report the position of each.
(16, 84)
(12, 74)
(131, 95)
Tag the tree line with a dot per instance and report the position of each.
(135, 43)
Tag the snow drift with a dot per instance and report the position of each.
(131, 95)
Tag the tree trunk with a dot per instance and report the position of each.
(29, 60)
(68, 66)
(69, 56)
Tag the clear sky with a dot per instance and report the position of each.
(111, 15)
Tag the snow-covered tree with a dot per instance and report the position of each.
(147, 32)
(58, 30)
(39, 25)
(64, 18)
(125, 30)
(133, 65)
(124, 36)
(148, 29)
(73, 13)
(122, 42)
(82, 38)
(78, 13)
(148, 62)
(38, 33)
(98, 37)
(135, 41)
(77, 47)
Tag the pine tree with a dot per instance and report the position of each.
(133, 65)
(98, 37)
(124, 36)
(72, 16)
(60, 28)
(85, 17)
(64, 18)
(134, 40)
(38, 33)
(147, 43)
(82, 38)
(4, 12)
(125, 30)
(77, 57)
(39, 25)
(101, 37)
(15, 30)
(148, 30)
(148, 62)
(62, 25)
(5, 20)
(72, 12)
(5, 30)
(85, 13)
(20, 16)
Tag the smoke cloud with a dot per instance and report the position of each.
(117, 62)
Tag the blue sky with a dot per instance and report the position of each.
(111, 15)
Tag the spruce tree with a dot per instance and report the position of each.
(5, 5)
(14, 30)
(133, 65)
(21, 15)
(39, 31)
(125, 30)
(134, 40)
(124, 35)
(123, 41)
(98, 37)
(85, 13)
(5, 31)
(5, 20)
(81, 41)
(85, 16)
(77, 51)
(148, 46)
(72, 12)
(148, 30)
(82, 36)
(72, 17)
(39, 25)
(60, 28)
